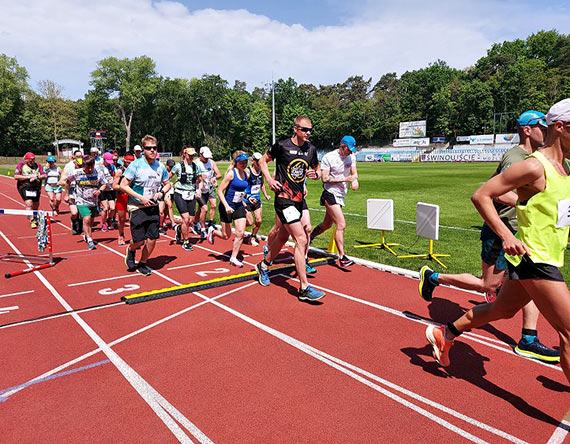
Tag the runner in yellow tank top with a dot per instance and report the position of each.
(534, 255)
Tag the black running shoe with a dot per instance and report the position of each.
(143, 269)
(426, 286)
(186, 245)
(178, 234)
(130, 259)
(537, 350)
(345, 262)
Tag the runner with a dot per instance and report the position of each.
(122, 197)
(536, 252)
(96, 155)
(531, 127)
(338, 167)
(75, 163)
(232, 208)
(138, 151)
(29, 175)
(253, 197)
(167, 204)
(53, 189)
(188, 177)
(89, 183)
(296, 159)
(149, 180)
(212, 174)
(108, 196)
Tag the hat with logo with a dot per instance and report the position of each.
(531, 118)
(51, 159)
(256, 156)
(349, 142)
(206, 152)
(29, 156)
(559, 112)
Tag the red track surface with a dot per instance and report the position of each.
(245, 363)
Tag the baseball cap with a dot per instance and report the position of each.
(531, 118)
(206, 152)
(241, 157)
(560, 111)
(170, 162)
(29, 156)
(349, 142)
(137, 148)
(256, 156)
(129, 157)
(108, 157)
(94, 149)
(51, 159)
(190, 150)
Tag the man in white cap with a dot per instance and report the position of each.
(96, 155)
(210, 176)
(536, 253)
(339, 169)
(138, 151)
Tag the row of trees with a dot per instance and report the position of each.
(128, 98)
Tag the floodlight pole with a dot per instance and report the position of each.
(273, 106)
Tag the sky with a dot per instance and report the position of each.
(319, 42)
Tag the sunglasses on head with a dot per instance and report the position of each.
(150, 147)
(305, 129)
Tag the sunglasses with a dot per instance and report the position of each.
(305, 129)
(150, 147)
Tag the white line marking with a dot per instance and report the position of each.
(560, 433)
(192, 265)
(14, 294)
(4, 310)
(104, 280)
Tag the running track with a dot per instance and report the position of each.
(245, 363)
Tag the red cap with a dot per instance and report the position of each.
(29, 156)
(129, 158)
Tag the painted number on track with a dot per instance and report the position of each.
(214, 271)
(128, 287)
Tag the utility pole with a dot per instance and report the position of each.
(273, 106)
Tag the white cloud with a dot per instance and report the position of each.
(62, 40)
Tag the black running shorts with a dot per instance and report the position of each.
(145, 223)
(528, 269)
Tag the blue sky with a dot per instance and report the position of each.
(319, 42)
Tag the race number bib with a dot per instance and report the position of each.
(291, 213)
(31, 193)
(149, 192)
(238, 196)
(51, 180)
(255, 189)
(563, 213)
(188, 195)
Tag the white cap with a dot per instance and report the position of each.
(205, 151)
(559, 112)
(256, 156)
(137, 148)
(93, 149)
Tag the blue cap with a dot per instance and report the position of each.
(532, 118)
(241, 157)
(51, 159)
(349, 142)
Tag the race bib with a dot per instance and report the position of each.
(291, 213)
(188, 195)
(238, 196)
(149, 192)
(31, 193)
(255, 189)
(563, 213)
(51, 180)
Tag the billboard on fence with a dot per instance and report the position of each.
(413, 129)
(424, 141)
(438, 139)
(454, 156)
(165, 155)
(482, 139)
(462, 138)
(369, 158)
(507, 138)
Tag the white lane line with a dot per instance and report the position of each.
(4, 310)
(561, 432)
(162, 408)
(15, 294)
(124, 276)
(192, 265)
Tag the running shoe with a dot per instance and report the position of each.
(254, 242)
(262, 275)
(345, 262)
(91, 245)
(121, 241)
(426, 286)
(204, 234)
(197, 227)
(310, 294)
(34, 223)
(235, 262)
(84, 237)
(537, 350)
(186, 245)
(436, 337)
(309, 268)
(143, 269)
(490, 296)
(178, 233)
(210, 235)
(130, 259)
(104, 228)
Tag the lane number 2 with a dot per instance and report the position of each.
(214, 271)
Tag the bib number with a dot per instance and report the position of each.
(188, 195)
(238, 196)
(31, 193)
(149, 192)
(563, 213)
(52, 180)
(291, 213)
(255, 189)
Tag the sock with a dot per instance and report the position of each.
(452, 329)
(528, 335)
(433, 278)
(264, 264)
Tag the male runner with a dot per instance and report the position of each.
(536, 252)
(531, 127)
(29, 175)
(338, 167)
(211, 174)
(138, 151)
(145, 181)
(296, 159)
(75, 163)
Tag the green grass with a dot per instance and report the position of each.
(448, 185)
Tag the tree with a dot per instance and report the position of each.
(61, 114)
(258, 127)
(132, 82)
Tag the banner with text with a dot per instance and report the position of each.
(507, 138)
(413, 129)
(411, 142)
(482, 139)
(481, 156)
(462, 138)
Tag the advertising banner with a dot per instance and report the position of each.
(411, 142)
(413, 129)
(482, 156)
(507, 138)
(438, 139)
(462, 138)
(482, 139)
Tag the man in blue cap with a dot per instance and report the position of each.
(531, 127)
(338, 168)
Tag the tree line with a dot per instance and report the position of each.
(128, 98)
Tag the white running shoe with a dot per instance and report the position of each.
(234, 261)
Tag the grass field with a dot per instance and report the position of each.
(448, 185)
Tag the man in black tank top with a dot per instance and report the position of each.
(296, 160)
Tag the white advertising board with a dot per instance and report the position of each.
(413, 129)
(507, 138)
(424, 141)
(482, 139)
